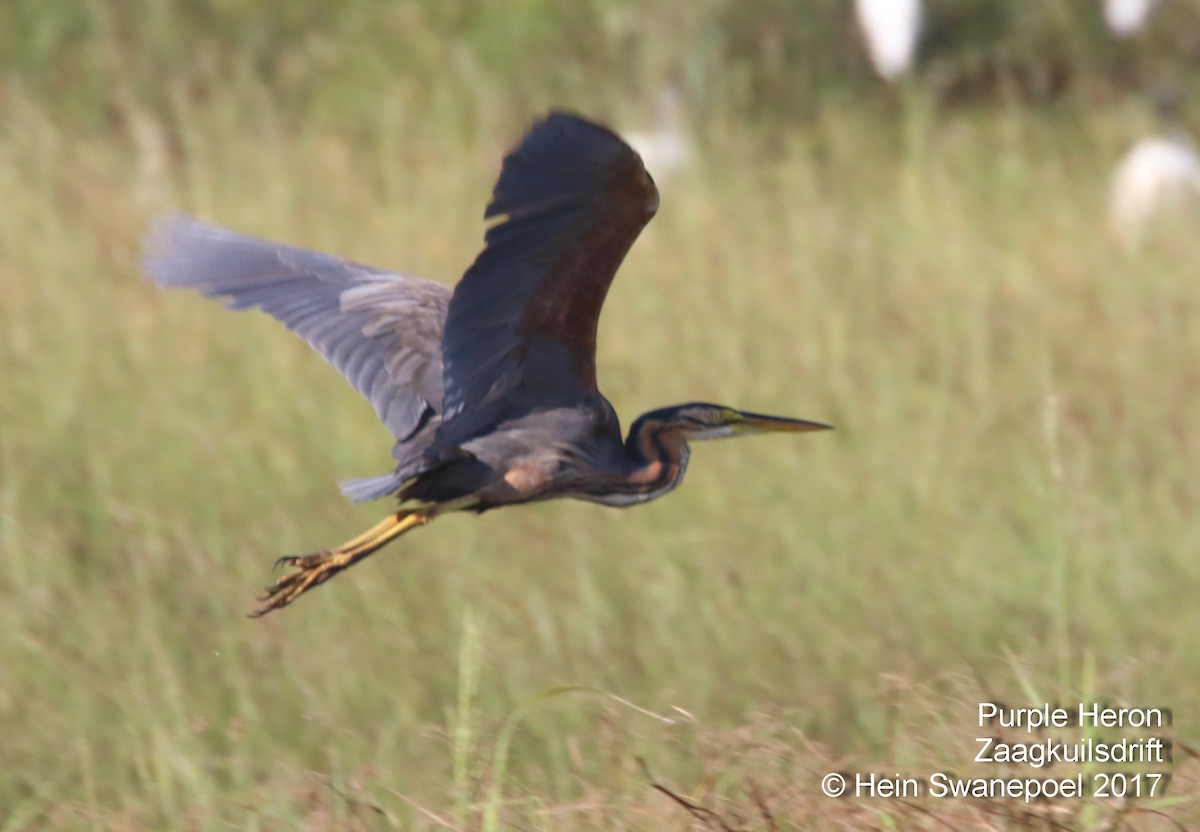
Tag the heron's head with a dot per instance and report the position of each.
(699, 420)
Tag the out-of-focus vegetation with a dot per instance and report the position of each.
(1009, 508)
(332, 65)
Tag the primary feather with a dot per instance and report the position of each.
(380, 330)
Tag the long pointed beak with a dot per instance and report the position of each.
(760, 423)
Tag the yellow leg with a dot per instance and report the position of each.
(313, 570)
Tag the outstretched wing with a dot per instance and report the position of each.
(521, 330)
(382, 331)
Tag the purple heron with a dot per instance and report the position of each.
(489, 390)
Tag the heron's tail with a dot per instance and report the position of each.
(370, 488)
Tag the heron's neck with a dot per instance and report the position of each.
(658, 457)
(654, 461)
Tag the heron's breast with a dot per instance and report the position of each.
(527, 479)
(653, 473)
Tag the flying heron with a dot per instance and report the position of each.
(489, 390)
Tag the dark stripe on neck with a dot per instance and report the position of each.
(668, 467)
(653, 470)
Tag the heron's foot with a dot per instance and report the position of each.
(317, 568)
(311, 570)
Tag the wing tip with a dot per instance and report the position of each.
(162, 247)
(569, 156)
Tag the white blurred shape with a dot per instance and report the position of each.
(1127, 17)
(891, 28)
(1158, 178)
(665, 148)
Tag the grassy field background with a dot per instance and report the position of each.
(1008, 511)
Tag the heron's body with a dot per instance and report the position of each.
(587, 460)
(490, 390)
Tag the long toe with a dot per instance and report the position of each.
(311, 570)
(317, 568)
(304, 561)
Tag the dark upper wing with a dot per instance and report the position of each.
(521, 331)
(381, 331)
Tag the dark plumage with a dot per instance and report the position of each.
(490, 391)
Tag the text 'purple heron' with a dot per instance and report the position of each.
(490, 390)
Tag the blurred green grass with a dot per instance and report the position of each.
(1010, 497)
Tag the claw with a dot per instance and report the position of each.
(315, 569)
(311, 570)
